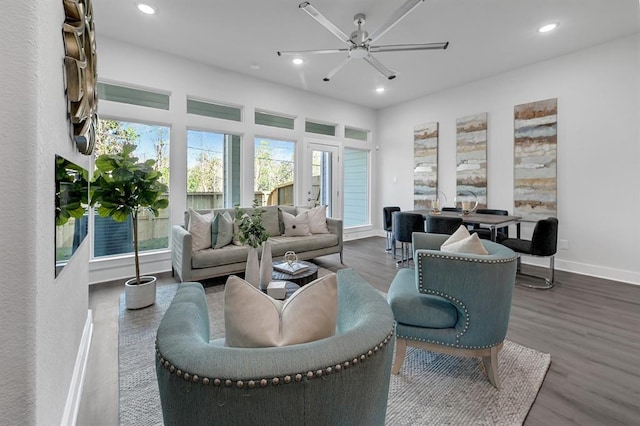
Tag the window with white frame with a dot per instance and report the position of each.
(152, 142)
(213, 169)
(356, 187)
(274, 171)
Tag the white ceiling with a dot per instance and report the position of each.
(486, 37)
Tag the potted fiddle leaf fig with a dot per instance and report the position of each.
(121, 187)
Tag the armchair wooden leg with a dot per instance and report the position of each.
(491, 367)
(401, 351)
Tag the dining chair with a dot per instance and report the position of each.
(443, 224)
(404, 225)
(485, 233)
(387, 215)
(543, 243)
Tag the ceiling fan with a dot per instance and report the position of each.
(360, 41)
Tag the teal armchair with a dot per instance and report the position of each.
(343, 379)
(458, 304)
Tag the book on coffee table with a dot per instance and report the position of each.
(294, 269)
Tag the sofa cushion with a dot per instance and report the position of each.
(221, 256)
(317, 219)
(221, 230)
(280, 245)
(254, 320)
(200, 230)
(411, 307)
(296, 226)
(270, 220)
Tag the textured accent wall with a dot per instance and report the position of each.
(42, 318)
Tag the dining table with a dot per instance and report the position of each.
(491, 221)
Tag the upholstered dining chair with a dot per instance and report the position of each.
(484, 233)
(543, 243)
(454, 303)
(387, 216)
(404, 225)
(443, 224)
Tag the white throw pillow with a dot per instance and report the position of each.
(296, 226)
(253, 319)
(461, 233)
(468, 245)
(317, 219)
(200, 230)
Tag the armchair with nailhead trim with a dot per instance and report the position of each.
(452, 303)
(343, 379)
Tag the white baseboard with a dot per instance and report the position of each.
(621, 275)
(74, 395)
(597, 271)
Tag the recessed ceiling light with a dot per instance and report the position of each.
(146, 9)
(297, 61)
(255, 67)
(547, 28)
(379, 89)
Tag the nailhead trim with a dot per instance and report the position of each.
(465, 259)
(275, 381)
(451, 299)
(457, 345)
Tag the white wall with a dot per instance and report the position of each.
(598, 149)
(42, 318)
(129, 65)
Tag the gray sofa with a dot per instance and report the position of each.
(340, 380)
(231, 259)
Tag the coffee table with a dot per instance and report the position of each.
(302, 278)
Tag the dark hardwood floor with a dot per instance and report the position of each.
(590, 326)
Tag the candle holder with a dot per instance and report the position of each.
(467, 202)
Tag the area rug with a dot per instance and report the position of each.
(431, 389)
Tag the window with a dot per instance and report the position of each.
(273, 120)
(319, 128)
(128, 95)
(152, 142)
(274, 167)
(208, 109)
(357, 134)
(356, 184)
(213, 170)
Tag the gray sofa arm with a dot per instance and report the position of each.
(336, 227)
(181, 245)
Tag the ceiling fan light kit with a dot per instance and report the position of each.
(360, 41)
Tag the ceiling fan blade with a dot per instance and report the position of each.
(333, 72)
(306, 6)
(309, 52)
(381, 68)
(394, 19)
(408, 47)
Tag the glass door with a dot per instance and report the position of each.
(324, 170)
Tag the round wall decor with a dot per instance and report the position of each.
(80, 73)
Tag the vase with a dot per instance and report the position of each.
(252, 270)
(266, 266)
(141, 295)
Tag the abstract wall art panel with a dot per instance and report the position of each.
(425, 162)
(535, 159)
(471, 156)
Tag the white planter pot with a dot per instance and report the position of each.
(140, 296)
